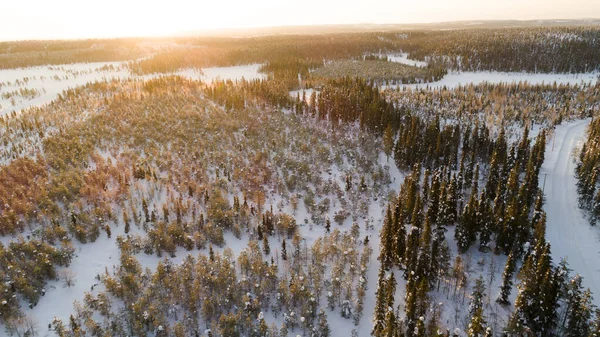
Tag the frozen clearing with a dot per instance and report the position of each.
(50, 81)
(455, 79)
(569, 233)
(403, 58)
(209, 75)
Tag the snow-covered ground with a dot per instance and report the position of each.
(455, 79)
(403, 58)
(248, 72)
(52, 80)
(569, 233)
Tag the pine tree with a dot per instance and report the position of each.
(477, 295)
(399, 236)
(595, 216)
(579, 309)
(439, 240)
(465, 229)
(424, 264)
(126, 221)
(507, 281)
(388, 141)
(266, 247)
(145, 208)
(493, 178)
(283, 251)
(484, 222)
(433, 207)
(387, 237)
(477, 327)
(380, 303)
(412, 251)
(425, 188)
(595, 325)
(324, 330)
(391, 326)
(537, 300)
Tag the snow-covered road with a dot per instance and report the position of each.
(569, 233)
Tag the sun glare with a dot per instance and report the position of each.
(75, 19)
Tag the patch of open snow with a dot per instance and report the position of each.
(455, 79)
(403, 58)
(90, 260)
(209, 75)
(52, 80)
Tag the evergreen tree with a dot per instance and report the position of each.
(266, 247)
(433, 207)
(380, 303)
(507, 282)
(283, 251)
(387, 241)
(324, 330)
(484, 222)
(595, 325)
(477, 327)
(579, 309)
(399, 237)
(391, 326)
(388, 141)
(537, 301)
(477, 295)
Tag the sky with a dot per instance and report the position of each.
(61, 19)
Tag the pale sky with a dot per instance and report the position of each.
(59, 19)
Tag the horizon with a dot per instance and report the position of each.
(68, 19)
(262, 30)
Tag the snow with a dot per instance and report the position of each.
(567, 229)
(305, 92)
(90, 260)
(403, 58)
(51, 81)
(568, 232)
(209, 75)
(455, 79)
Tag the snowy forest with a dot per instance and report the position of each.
(414, 183)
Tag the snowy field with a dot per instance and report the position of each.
(403, 58)
(52, 80)
(455, 79)
(49, 81)
(209, 75)
(569, 233)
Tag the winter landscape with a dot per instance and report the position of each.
(321, 179)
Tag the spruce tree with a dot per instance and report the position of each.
(507, 282)
(387, 241)
(380, 303)
(484, 222)
(537, 300)
(399, 236)
(324, 330)
(283, 251)
(388, 141)
(477, 295)
(266, 247)
(579, 309)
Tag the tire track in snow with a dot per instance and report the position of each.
(569, 233)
